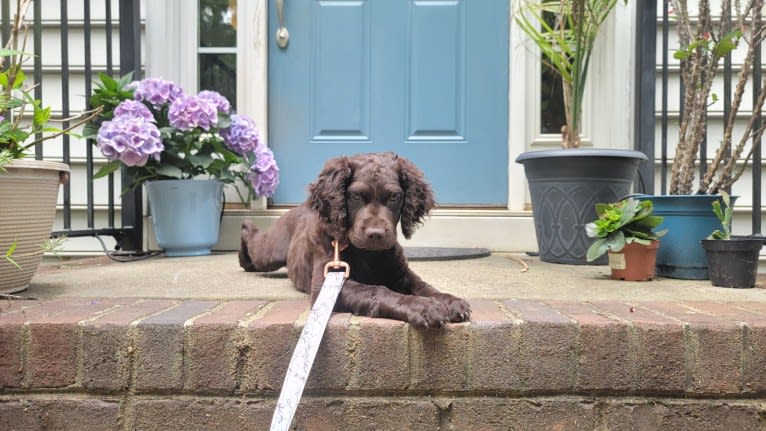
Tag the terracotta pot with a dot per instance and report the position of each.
(635, 262)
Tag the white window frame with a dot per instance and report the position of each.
(172, 50)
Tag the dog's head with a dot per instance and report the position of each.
(360, 199)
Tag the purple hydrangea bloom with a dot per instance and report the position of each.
(241, 136)
(133, 108)
(157, 91)
(264, 174)
(189, 112)
(129, 140)
(220, 102)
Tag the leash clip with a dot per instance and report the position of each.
(336, 263)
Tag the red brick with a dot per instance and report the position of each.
(105, 360)
(332, 365)
(159, 346)
(753, 326)
(713, 349)
(36, 413)
(380, 354)
(54, 338)
(438, 358)
(192, 414)
(752, 306)
(754, 358)
(11, 370)
(11, 306)
(330, 414)
(213, 354)
(706, 415)
(604, 351)
(548, 347)
(494, 348)
(505, 414)
(656, 348)
(271, 339)
(313, 414)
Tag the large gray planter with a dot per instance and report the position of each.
(565, 185)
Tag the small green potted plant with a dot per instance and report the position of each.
(732, 260)
(625, 229)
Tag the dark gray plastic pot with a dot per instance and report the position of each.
(565, 185)
(733, 262)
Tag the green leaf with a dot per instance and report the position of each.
(107, 169)
(9, 255)
(5, 52)
(18, 81)
(201, 160)
(170, 171)
(616, 241)
(596, 250)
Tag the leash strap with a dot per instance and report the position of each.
(308, 344)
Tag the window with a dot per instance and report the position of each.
(552, 115)
(217, 48)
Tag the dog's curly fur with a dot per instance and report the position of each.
(357, 200)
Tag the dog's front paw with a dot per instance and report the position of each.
(425, 313)
(458, 310)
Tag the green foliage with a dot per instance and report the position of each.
(719, 49)
(620, 223)
(566, 43)
(108, 93)
(724, 215)
(51, 245)
(24, 121)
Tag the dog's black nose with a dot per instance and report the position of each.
(375, 233)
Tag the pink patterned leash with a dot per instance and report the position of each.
(308, 343)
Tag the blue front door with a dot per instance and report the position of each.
(424, 78)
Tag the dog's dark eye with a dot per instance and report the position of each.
(355, 196)
(395, 197)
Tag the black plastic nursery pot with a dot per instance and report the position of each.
(564, 187)
(734, 262)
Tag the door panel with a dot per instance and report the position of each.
(427, 79)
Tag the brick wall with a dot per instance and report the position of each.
(83, 364)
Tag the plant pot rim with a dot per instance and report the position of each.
(729, 244)
(38, 164)
(581, 152)
(181, 179)
(683, 196)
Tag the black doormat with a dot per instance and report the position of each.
(444, 253)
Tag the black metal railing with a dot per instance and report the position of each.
(650, 74)
(129, 234)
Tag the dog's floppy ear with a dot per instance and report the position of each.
(327, 196)
(418, 196)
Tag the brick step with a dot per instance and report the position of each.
(668, 360)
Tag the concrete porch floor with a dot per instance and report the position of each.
(498, 276)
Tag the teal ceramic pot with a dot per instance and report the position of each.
(186, 215)
(689, 219)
